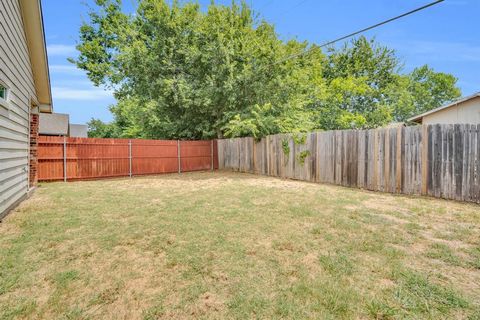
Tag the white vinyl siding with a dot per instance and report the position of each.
(16, 75)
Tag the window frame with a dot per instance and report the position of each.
(5, 101)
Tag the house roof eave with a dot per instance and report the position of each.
(418, 118)
(35, 34)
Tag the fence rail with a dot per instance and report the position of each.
(61, 158)
(437, 160)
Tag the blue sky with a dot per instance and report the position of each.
(444, 36)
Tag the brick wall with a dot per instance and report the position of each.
(33, 149)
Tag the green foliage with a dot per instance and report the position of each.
(286, 147)
(180, 72)
(302, 156)
(422, 90)
(299, 138)
(365, 90)
(357, 76)
(257, 123)
(99, 129)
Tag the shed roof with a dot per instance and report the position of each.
(53, 124)
(79, 130)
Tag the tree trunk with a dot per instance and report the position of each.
(219, 133)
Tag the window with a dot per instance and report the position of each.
(3, 92)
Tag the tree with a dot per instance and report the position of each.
(366, 90)
(99, 129)
(190, 74)
(358, 75)
(182, 73)
(423, 90)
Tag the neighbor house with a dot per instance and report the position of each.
(24, 93)
(78, 131)
(463, 111)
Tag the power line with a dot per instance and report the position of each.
(349, 35)
(360, 31)
(382, 23)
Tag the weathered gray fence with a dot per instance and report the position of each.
(437, 160)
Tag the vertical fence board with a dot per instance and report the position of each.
(458, 150)
(476, 189)
(360, 159)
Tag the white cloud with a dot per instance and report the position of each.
(66, 93)
(61, 50)
(65, 69)
(76, 83)
(444, 51)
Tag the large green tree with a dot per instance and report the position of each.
(422, 90)
(180, 72)
(365, 88)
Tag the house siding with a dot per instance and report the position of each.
(467, 112)
(16, 74)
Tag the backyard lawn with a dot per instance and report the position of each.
(236, 246)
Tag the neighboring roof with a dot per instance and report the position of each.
(54, 124)
(35, 34)
(452, 104)
(79, 131)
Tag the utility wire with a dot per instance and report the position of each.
(382, 23)
(293, 56)
(359, 31)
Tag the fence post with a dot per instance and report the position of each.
(64, 159)
(211, 154)
(179, 156)
(130, 158)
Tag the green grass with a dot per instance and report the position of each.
(236, 246)
(443, 252)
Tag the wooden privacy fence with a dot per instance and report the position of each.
(61, 158)
(437, 160)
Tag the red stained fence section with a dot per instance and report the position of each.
(62, 158)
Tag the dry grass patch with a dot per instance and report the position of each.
(236, 246)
